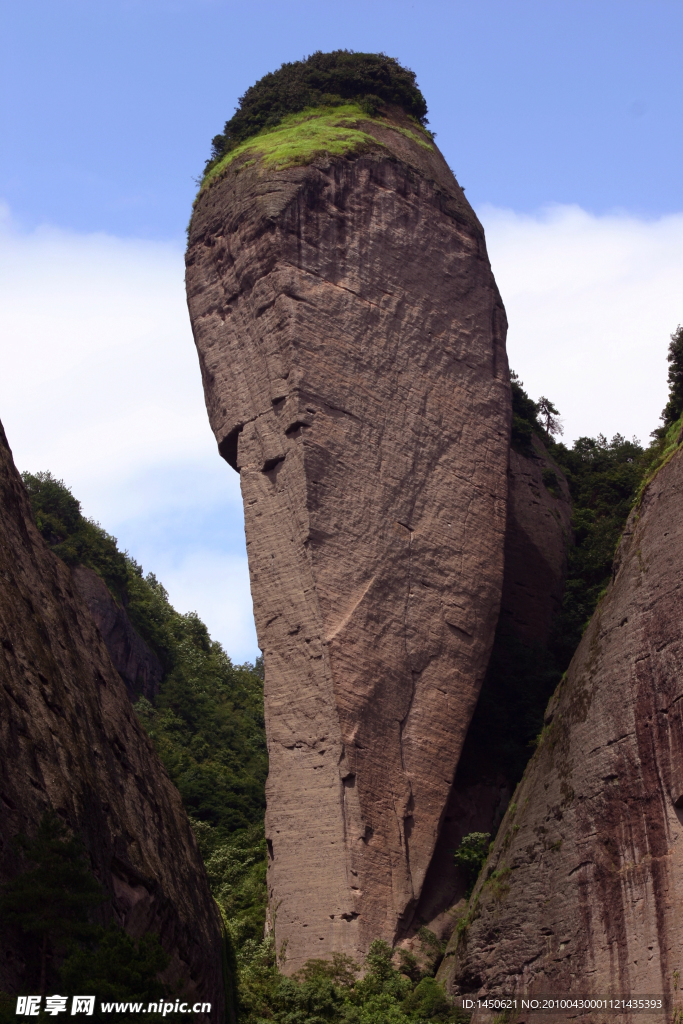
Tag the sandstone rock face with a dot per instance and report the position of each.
(137, 665)
(351, 339)
(69, 739)
(586, 894)
(537, 539)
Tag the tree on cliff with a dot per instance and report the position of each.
(549, 416)
(51, 900)
(674, 407)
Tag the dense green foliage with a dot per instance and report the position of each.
(603, 478)
(112, 966)
(674, 406)
(207, 726)
(70, 535)
(524, 417)
(52, 898)
(470, 856)
(330, 991)
(323, 79)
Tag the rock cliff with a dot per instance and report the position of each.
(69, 740)
(137, 665)
(582, 892)
(537, 539)
(351, 340)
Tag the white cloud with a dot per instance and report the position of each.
(100, 381)
(100, 384)
(591, 302)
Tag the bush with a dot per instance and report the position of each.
(321, 79)
(115, 967)
(470, 856)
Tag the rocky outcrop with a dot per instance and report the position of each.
(69, 740)
(351, 339)
(537, 539)
(137, 665)
(582, 892)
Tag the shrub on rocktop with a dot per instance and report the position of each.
(321, 79)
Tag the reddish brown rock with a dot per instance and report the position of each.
(137, 665)
(70, 740)
(351, 339)
(537, 539)
(582, 893)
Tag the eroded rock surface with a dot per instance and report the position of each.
(70, 740)
(137, 665)
(582, 893)
(537, 540)
(351, 339)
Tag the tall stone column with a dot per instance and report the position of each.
(352, 345)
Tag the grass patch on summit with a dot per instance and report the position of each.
(300, 138)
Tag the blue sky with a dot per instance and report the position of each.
(109, 107)
(563, 120)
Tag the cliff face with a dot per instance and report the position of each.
(69, 740)
(137, 665)
(537, 538)
(583, 887)
(351, 339)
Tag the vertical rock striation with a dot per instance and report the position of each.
(70, 740)
(582, 892)
(351, 340)
(537, 539)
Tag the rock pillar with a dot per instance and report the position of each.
(352, 345)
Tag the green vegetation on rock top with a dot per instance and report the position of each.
(299, 138)
(370, 79)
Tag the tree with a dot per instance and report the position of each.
(549, 417)
(52, 899)
(524, 417)
(674, 407)
(116, 967)
(470, 856)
